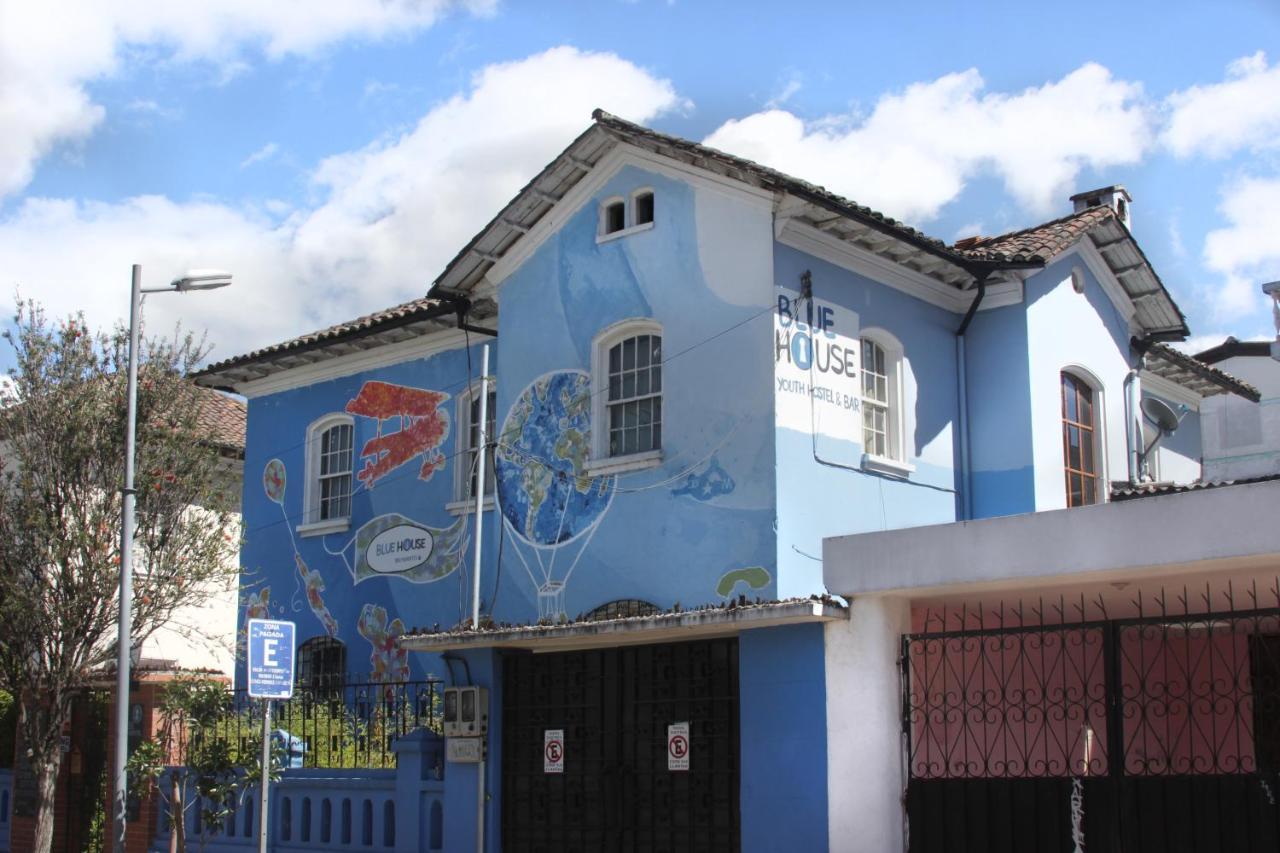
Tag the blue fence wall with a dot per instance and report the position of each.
(399, 810)
(6, 807)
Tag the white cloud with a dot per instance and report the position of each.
(916, 149)
(1245, 252)
(266, 152)
(50, 50)
(1241, 112)
(390, 215)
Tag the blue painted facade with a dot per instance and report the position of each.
(762, 456)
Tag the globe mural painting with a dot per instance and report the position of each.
(549, 503)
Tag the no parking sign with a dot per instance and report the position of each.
(678, 746)
(553, 751)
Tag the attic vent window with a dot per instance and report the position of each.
(615, 217)
(620, 216)
(644, 208)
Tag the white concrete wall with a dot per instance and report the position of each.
(1241, 438)
(1068, 330)
(866, 778)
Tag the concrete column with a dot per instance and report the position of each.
(419, 765)
(865, 766)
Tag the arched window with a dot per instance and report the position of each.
(642, 207)
(322, 663)
(330, 448)
(613, 216)
(1081, 439)
(627, 392)
(883, 423)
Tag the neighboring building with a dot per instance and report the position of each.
(704, 368)
(1242, 441)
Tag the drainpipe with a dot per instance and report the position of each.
(1133, 417)
(966, 491)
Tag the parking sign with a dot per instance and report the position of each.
(270, 659)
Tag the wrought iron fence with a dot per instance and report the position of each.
(338, 724)
(1185, 685)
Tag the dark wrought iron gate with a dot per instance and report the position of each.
(616, 793)
(1154, 733)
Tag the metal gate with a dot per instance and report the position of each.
(1154, 733)
(616, 793)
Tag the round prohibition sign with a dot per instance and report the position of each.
(678, 746)
(555, 751)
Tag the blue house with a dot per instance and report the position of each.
(701, 369)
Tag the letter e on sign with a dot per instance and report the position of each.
(553, 751)
(678, 746)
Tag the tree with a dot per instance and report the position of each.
(62, 437)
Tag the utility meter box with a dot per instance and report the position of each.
(466, 712)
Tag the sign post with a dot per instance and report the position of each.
(270, 670)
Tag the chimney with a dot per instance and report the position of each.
(1115, 197)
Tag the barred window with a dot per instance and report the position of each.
(322, 662)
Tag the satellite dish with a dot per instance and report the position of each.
(1161, 414)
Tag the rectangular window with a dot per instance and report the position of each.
(1079, 437)
(335, 472)
(635, 395)
(875, 401)
(473, 443)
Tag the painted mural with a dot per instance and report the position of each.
(387, 660)
(547, 498)
(423, 427)
(394, 546)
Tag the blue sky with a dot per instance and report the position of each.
(335, 155)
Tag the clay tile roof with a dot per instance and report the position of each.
(222, 418)
(1124, 491)
(1233, 347)
(1039, 242)
(1204, 379)
(398, 315)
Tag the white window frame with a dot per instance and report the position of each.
(462, 501)
(312, 524)
(629, 225)
(1088, 377)
(601, 462)
(895, 461)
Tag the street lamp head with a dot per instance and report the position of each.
(201, 280)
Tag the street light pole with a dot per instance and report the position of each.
(124, 645)
(194, 280)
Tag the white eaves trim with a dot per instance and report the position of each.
(1097, 265)
(585, 190)
(833, 250)
(1170, 390)
(373, 358)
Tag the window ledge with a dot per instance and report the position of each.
(625, 232)
(884, 465)
(467, 506)
(622, 464)
(322, 528)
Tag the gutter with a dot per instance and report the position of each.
(966, 490)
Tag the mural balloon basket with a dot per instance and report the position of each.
(551, 600)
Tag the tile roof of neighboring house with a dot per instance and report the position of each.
(1154, 308)
(222, 417)
(1039, 242)
(1232, 347)
(1168, 363)
(953, 268)
(1125, 491)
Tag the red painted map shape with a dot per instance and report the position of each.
(423, 428)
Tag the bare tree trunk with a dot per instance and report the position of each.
(47, 785)
(177, 819)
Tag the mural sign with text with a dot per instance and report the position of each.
(816, 370)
